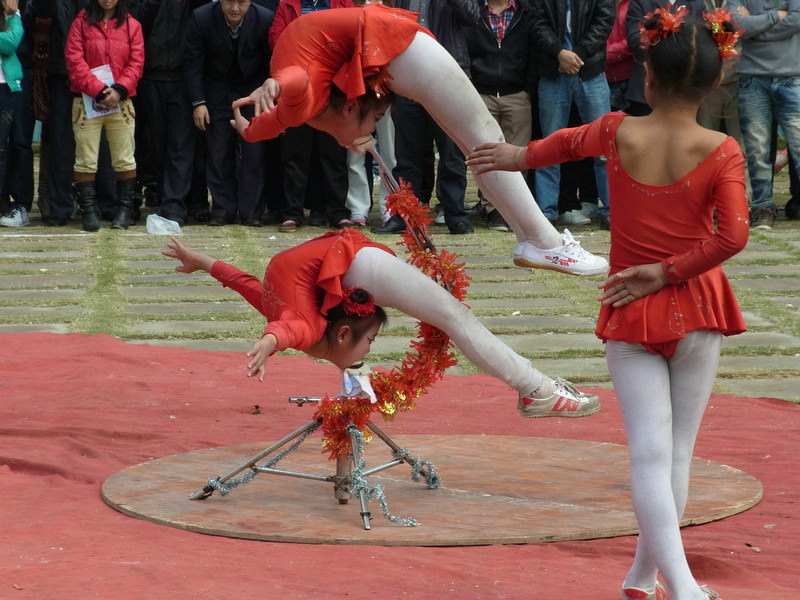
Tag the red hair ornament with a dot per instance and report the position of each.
(667, 22)
(357, 309)
(723, 30)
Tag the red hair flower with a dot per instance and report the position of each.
(659, 23)
(723, 30)
(353, 307)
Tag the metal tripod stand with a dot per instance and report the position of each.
(342, 479)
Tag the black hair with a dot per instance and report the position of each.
(360, 325)
(94, 12)
(366, 102)
(687, 62)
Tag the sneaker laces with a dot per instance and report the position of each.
(562, 386)
(13, 212)
(573, 248)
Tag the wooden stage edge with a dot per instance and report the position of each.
(494, 490)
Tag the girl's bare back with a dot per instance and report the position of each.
(660, 151)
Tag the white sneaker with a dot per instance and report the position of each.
(566, 401)
(569, 258)
(574, 217)
(17, 216)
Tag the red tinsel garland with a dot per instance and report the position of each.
(430, 353)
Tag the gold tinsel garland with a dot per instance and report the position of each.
(430, 353)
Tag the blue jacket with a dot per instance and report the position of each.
(9, 40)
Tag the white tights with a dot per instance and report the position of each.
(662, 402)
(395, 283)
(427, 73)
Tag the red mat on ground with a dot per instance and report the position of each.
(75, 409)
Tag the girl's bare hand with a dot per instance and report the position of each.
(631, 284)
(191, 261)
(258, 355)
(497, 156)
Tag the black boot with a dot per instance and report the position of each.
(127, 203)
(87, 202)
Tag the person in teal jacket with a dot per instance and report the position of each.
(11, 33)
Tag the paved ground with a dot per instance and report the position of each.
(64, 280)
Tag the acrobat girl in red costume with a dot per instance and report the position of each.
(324, 297)
(679, 210)
(337, 70)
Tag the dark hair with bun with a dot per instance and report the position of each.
(685, 63)
(346, 313)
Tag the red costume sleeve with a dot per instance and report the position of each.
(248, 286)
(730, 201)
(293, 106)
(730, 237)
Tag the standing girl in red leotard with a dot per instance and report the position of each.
(324, 298)
(679, 211)
(337, 70)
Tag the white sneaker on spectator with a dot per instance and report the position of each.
(574, 217)
(16, 216)
(568, 258)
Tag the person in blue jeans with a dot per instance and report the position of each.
(769, 90)
(571, 39)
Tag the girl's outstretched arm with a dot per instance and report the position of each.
(190, 260)
(497, 157)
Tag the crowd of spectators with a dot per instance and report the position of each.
(176, 65)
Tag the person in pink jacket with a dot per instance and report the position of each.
(104, 54)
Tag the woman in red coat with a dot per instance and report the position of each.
(104, 54)
(336, 70)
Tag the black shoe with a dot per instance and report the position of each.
(395, 224)
(316, 219)
(217, 221)
(605, 222)
(762, 218)
(252, 222)
(792, 209)
(461, 228)
(57, 221)
(271, 218)
(496, 222)
(179, 220)
(202, 215)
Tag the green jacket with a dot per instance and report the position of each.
(9, 40)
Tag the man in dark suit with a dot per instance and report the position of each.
(227, 57)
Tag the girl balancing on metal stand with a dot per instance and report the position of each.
(337, 70)
(678, 211)
(324, 297)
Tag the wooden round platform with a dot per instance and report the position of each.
(495, 490)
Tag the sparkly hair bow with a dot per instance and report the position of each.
(723, 30)
(354, 308)
(663, 22)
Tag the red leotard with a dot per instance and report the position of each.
(672, 224)
(300, 285)
(344, 47)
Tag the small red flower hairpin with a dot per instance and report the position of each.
(666, 22)
(723, 30)
(357, 309)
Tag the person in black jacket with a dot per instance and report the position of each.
(226, 56)
(415, 130)
(571, 39)
(501, 68)
(167, 147)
